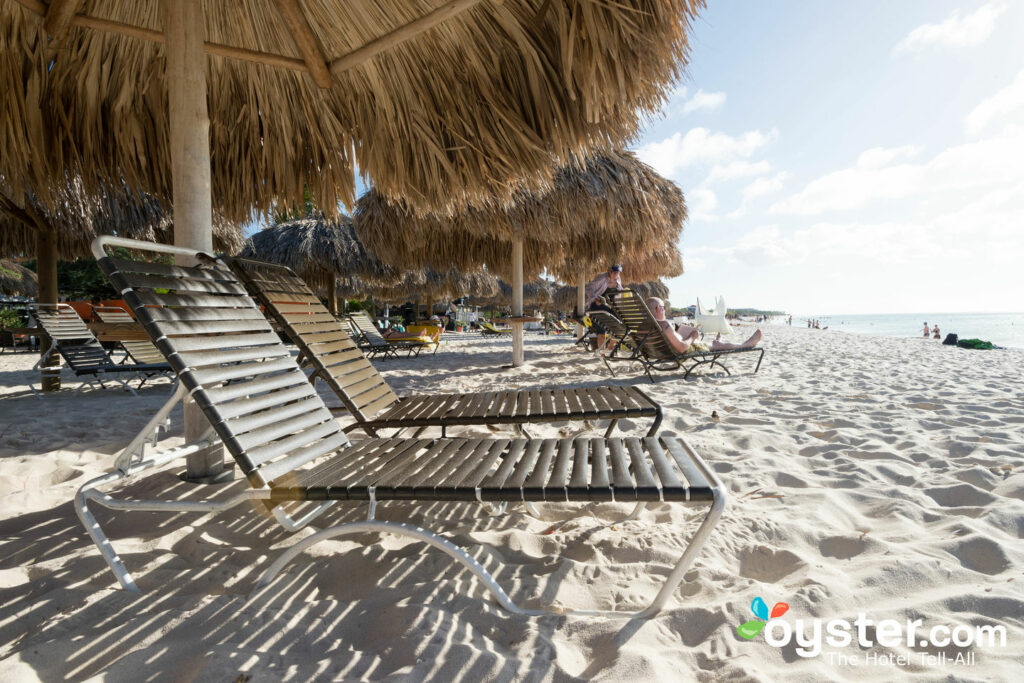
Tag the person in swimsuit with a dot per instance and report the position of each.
(682, 337)
(935, 331)
(927, 332)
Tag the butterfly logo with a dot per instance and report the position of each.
(759, 607)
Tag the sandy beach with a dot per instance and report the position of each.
(868, 475)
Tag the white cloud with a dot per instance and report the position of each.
(736, 170)
(763, 187)
(951, 177)
(879, 157)
(704, 100)
(956, 31)
(700, 146)
(701, 204)
(1005, 106)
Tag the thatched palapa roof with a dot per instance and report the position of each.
(16, 279)
(606, 209)
(77, 215)
(320, 249)
(441, 103)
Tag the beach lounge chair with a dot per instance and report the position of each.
(139, 351)
(84, 354)
(651, 348)
(373, 342)
(326, 346)
(286, 443)
(489, 328)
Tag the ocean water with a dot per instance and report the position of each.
(1002, 329)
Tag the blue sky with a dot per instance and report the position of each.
(850, 157)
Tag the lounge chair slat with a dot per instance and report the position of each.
(541, 470)
(217, 374)
(297, 440)
(162, 315)
(225, 341)
(599, 464)
(211, 327)
(694, 478)
(580, 464)
(641, 471)
(368, 397)
(257, 403)
(400, 464)
(620, 469)
(479, 473)
(440, 452)
(134, 269)
(197, 359)
(368, 411)
(500, 476)
(560, 469)
(191, 285)
(662, 465)
(301, 456)
(275, 430)
(524, 468)
(441, 468)
(347, 378)
(255, 420)
(148, 298)
(229, 392)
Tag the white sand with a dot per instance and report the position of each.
(868, 475)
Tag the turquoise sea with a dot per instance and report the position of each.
(1002, 329)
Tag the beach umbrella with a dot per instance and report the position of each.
(539, 293)
(16, 279)
(320, 250)
(441, 103)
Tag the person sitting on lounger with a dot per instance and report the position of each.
(682, 337)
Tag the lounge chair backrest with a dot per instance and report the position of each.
(75, 342)
(298, 311)
(645, 330)
(367, 328)
(229, 359)
(140, 350)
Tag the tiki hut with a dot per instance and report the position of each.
(441, 102)
(16, 279)
(320, 250)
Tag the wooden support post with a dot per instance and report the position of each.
(190, 173)
(518, 355)
(581, 303)
(332, 297)
(46, 272)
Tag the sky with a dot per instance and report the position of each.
(844, 158)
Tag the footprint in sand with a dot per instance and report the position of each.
(842, 547)
(769, 565)
(980, 554)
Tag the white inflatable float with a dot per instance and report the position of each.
(712, 321)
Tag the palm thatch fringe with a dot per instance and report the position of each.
(449, 116)
(78, 211)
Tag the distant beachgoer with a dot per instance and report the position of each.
(596, 288)
(927, 332)
(935, 332)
